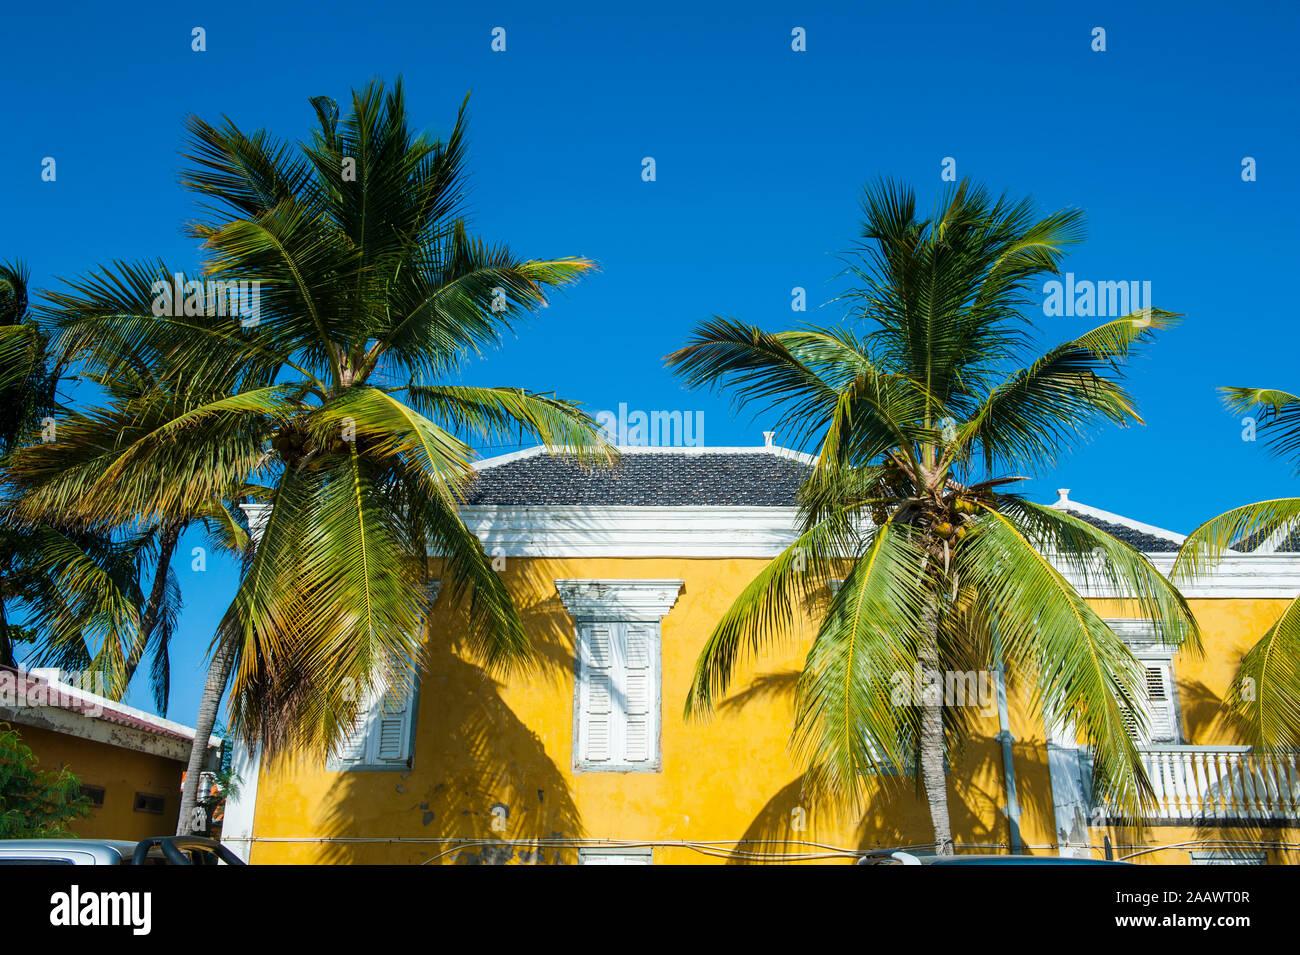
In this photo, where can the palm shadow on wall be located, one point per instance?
(796, 821)
(482, 788)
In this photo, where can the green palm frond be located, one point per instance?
(1266, 691)
(82, 595)
(1244, 527)
(496, 413)
(495, 634)
(846, 721)
(146, 457)
(1105, 564)
(766, 609)
(1084, 675)
(1278, 414)
(1040, 410)
(394, 429)
(18, 354)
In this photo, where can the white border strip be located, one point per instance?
(774, 450)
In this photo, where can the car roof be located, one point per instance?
(89, 851)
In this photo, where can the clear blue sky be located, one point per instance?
(761, 153)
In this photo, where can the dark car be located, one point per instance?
(900, 857)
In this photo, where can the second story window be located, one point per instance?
(617, 671)
(618, 695)
(1157, 704)
(1158, 692)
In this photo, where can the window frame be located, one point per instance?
(632, 855)
(162, 803)
(1140, 637)
(619, 602)
(654, 762)
(369, 713)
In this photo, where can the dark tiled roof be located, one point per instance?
(1289, 545)
(758, 479)
(1147, 543)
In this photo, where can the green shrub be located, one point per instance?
(35, 804)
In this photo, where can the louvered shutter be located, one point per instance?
(392, 723)
(351, 749)
(1157, 705)
(618, 695)
(596, 715)
(1162, 719)
(380, 737)
(638, 691)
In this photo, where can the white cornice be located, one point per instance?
(763, 532)
(1254, 576)
(591, 531)
(258, 515)
(774, 450)
(616, 599)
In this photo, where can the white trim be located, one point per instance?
(237, 823)
(97, 726)
(774, 450)
(581, 530)
(80, 726)
(1227, 857)
(616, 855)
(617, 603)
(1247, 576)
(618, 600)
(258, 515)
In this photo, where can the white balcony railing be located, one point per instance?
(1222, 784)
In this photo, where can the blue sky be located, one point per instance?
(760, 156)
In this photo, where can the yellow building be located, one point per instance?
(620, 577)
(129, 762)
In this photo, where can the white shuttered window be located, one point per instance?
(1158, 705)
(617, 696)
(381, 736)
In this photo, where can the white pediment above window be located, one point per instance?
(622, 600)
(1140, 635)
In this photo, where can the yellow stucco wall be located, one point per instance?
(483, 743)
(121, 773)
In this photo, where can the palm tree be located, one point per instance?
(78, 588)
(73, 460)
(330, 393)
(925, 406)
(1265, 693)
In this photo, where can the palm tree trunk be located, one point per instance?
(931, 741)
(153, 608)
(218, 673)
(6, 645)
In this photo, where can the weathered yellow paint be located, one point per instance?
(121, 773)
(485, 742)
